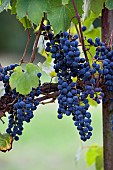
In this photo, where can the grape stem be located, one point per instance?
(2, 121)
(49, 96)
(88, 50)
(36, 41)
(78, 33)
(26, 47)
(51, 101)
(9, 104)
(48, 90)
(76, 28)
(80, 29)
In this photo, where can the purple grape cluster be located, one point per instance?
(73, 97)
(22, 107)
(104, 58)
(5, 74)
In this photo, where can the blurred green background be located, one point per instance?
(46, 143)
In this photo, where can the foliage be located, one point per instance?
(94, 155)
(4, 5)
(24, 81)
(60, 14)
(109, 4)
(60, 11)
(5, 142)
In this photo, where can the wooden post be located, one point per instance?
(107, 28)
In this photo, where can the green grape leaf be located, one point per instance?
(13, 7)
(60, 15)
(32, 68)
(24, 81)
(100, 150)
(91, 155)
(99, 159)
(99, 162)
(86, 9)
(92, 34)
(96, 6)
(33, 9)
(18, 69)
(46, 67)
(36, 10)
(89, 21)
(25, 22)
(21, 8)
(65, 2)
(109, 4)
(4, 5)
(15, 77)
(92, 102)
(79, 5)
(92, 5)
(5, 142)
(95, 155)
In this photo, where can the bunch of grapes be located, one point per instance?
(104, 56)
(70, 65)
(20, 107)
(78, 81)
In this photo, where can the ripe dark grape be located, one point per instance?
(72, 100)
(91, 78)
(84, 28)
(78, 82)
(22, 107)
(22, 112)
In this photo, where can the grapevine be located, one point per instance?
(82, 75)
(73, 97)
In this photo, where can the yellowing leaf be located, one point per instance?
(25, 22)
(74, 79)
(13, 8)
(53, 74)
(5, 142)
(92, 102)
